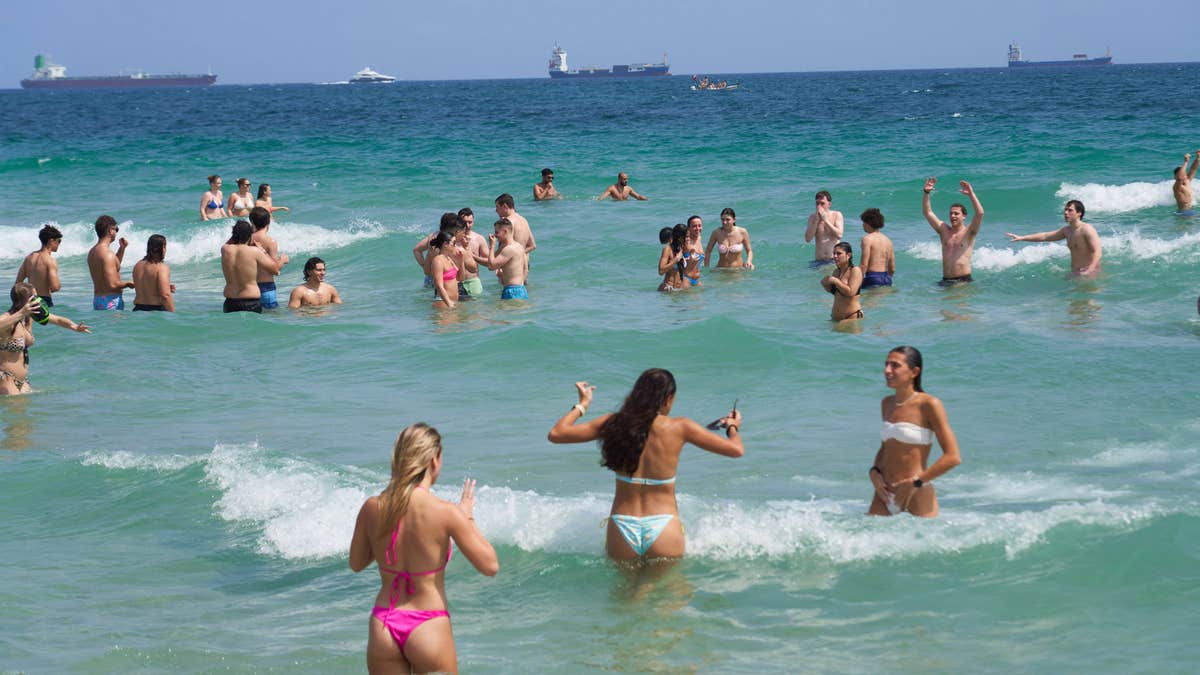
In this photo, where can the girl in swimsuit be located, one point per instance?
(844, 284)
(264, 199)
(730, 241)
(641, 444)
(212, 204)
(241, 201)
(442, 270)
(911, 420)
(16, 336)
(671, 262)
(407, 531)
(695, 248)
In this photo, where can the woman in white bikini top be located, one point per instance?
(911, 421)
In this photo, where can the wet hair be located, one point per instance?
(503, 222)
(507, 200)
(451, 222)
(679, 237)
(259, 217)
(728, 212)
(48, 233)
(103, 223)
(442, 238)
(241, 232)
(913, 358)
(873, 218)
(845, 247)
(156, 247)
(310, 265)
(262, 189)
(465, 211)
(20, 295)
(961, 207)
(213, 178)
(693, 217)
(412, 457)
(665, 234)
(623, 435)
(825, 194)
(547, 172)
(1078, 206)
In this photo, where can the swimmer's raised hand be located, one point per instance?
(34, 304)
(965, 188)
(585, 393)
(929, 184)
(467, 501)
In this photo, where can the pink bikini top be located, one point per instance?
(390, 558)
(732, 248)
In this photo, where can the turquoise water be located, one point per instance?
(180, 491)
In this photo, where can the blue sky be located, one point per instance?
(309, 41)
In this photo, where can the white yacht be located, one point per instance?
(368, 75)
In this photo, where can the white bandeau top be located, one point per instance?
(906, 432)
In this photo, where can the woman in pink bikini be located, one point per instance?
(408, 532)
(731, 241)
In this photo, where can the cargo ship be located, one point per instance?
(47, 75)
(1015, 60)
(559, 70)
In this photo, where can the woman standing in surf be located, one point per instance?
(911, 420)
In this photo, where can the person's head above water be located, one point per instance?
(416, 454)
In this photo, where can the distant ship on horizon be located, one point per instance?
(558, 68)
(47, 75)
(1015, 60)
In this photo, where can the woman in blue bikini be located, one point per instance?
(212, 204)
(641, 444)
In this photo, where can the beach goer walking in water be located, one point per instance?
(1182, 189)
(152, 278)
(16, 336)
(958, 242)
(1082, 240)
(826, 226)
(443, 269)
(314, 292)
(510, 262)
(105, 266)
(268, 294)
(672, 261)
(40, 268)
(844, 284)
(212, 204)
(911, 420)
(731, 241)
(621, 191)
(695, 250)
(878, 255)
(641, 444)
(242, 201)
(241, 263)
(545, 190)
(410, 534)
(264, 199)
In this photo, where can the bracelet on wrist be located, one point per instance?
(730, 428)
(582, 410)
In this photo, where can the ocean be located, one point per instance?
(180, 491)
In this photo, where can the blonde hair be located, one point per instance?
(412, 456)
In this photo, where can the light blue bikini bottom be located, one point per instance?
(640, 532)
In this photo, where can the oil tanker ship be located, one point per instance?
(559, 70)
(47, 75)
(1015, 60)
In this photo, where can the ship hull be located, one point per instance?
(1101, 61)
(653, 71)
(148, 81)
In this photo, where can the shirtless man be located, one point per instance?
(476, 246)
(1082, 240)
(40, 267)
(260, 218)
(878, 256)
(522, 234)
(242, 263)
(154, 290)
(511, 261)
(958, 242)
(620, 191)
(106, 267)
(1183, 186)
(544, 190)
(826, 226)
(314, 292)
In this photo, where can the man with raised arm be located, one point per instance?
(40, 267)
(1183, 186)
(105, 266)
(1082, 240)
(958, 242)
(620, 190)
(511, 261)
(545, 190)
(826, 226)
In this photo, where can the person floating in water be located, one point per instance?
(621, 191)
(958, 242)
(1182, 188)
(1082, 240)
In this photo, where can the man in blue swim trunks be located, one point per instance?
(105, 267)
(878, 261)
(260, 218)
(1183, 186)
(510, 261)
(826, 226)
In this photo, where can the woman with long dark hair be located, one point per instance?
(16, 336)
(911, 420)
(672, 260)
(152, 279)
(731, 241)
(844, 284)
(641, 444)
(408, 532)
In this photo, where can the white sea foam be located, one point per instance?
(1138, 455)
(1099, 198)
(124, 460)
(1120, 245)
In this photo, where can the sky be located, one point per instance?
(269, 41)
